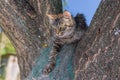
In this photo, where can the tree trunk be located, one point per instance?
(26, 24)
(98, 53)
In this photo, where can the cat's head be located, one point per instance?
(62, 22)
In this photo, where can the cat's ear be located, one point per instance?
(67, 14)
(50, 16)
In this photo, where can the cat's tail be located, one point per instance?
(80, 21)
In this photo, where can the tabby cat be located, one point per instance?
(66, 30)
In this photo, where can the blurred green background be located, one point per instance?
(6, 49)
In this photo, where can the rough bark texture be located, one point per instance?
(26, 24)
(98, 53)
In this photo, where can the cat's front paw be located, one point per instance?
(48, 68)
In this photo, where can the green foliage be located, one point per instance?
(5, 45)
(5, 48)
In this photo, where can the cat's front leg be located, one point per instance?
(57, 45)
(49, 67)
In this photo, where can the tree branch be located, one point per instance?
(97, 55)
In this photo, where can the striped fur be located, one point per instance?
(67, 30)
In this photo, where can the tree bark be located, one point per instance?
(26, 24)
(98, 53)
